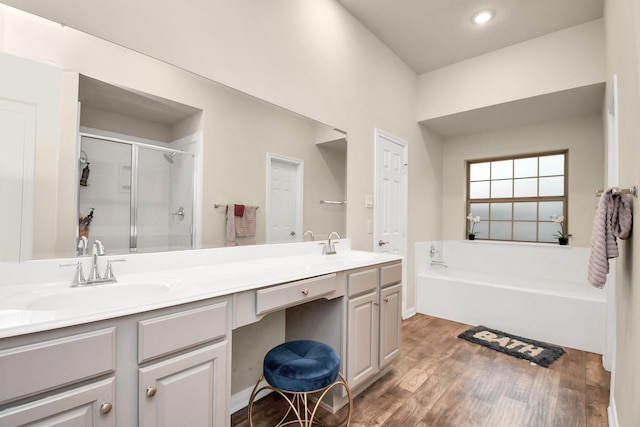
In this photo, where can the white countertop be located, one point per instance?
(152, 281)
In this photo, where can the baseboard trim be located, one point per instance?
(409, 313)
(241, 399)
(612, 412)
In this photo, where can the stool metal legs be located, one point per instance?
(299, 403)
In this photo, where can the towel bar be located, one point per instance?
(633, 191)
(219, 205)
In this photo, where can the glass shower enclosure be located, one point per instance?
(135, 197)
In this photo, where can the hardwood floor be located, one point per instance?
(443, 381)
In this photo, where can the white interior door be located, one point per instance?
(284, 201)
(17, 142)
(390, 208)
(29, 117)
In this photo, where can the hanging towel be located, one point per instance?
(246, 225)
(231, 226)
(613, 219)
(239, 210)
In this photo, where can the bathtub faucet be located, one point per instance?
(442, 263)
(433, 251)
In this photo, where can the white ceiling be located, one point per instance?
(127, 102)
(430, 34)
(553, 106)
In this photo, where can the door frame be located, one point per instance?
(378, 135)
(299, 167)
(609, 356)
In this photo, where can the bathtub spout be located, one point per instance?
(442, 263)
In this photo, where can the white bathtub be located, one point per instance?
(565, 311)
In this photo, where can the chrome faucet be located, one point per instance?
(330, 247)
(442, 263)
(433, 251)
(308, 233)
(96, 251)
(94, 276)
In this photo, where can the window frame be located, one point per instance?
(537, 199)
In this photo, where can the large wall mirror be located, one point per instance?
(204, 140)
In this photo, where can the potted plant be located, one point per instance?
(473, 220)
(563, 238)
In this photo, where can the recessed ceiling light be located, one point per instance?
(483, 17)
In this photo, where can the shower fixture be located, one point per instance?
(83, 157)
(169, 156)
(179, 213)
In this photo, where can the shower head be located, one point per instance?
(169, 156)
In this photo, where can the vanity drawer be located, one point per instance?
(362, 281)
(173, 332)
(390, 274)
(31, 369)
(290, 294)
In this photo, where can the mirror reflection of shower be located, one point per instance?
(134, 190)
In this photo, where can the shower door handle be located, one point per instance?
(180, 213)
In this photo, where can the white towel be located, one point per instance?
(613, 219)
(246, 225)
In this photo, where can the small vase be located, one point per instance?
(473, 237)
(563, 241)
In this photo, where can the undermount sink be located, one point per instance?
(88, 298)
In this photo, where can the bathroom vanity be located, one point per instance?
(155, 348)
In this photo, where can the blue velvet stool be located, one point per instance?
(296, 369)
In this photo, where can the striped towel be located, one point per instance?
(613, 219)
(230, 221)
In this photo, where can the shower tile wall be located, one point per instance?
(108, 192)
(162, 188)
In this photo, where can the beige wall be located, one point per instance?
(622, 20)
(238, 132)
(309, 57)
(558, 61)
(582, 136)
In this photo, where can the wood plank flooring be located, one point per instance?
(443, 381)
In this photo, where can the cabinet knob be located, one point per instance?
(376, 304)
(305, 292)
(151, 391)
(385, 299)
(105, 408)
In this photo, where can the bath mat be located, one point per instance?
(534, 351)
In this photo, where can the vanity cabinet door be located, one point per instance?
(390, 323)
(362, 338)
(87, 406)
(186, 390)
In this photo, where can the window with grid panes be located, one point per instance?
(516, 196)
